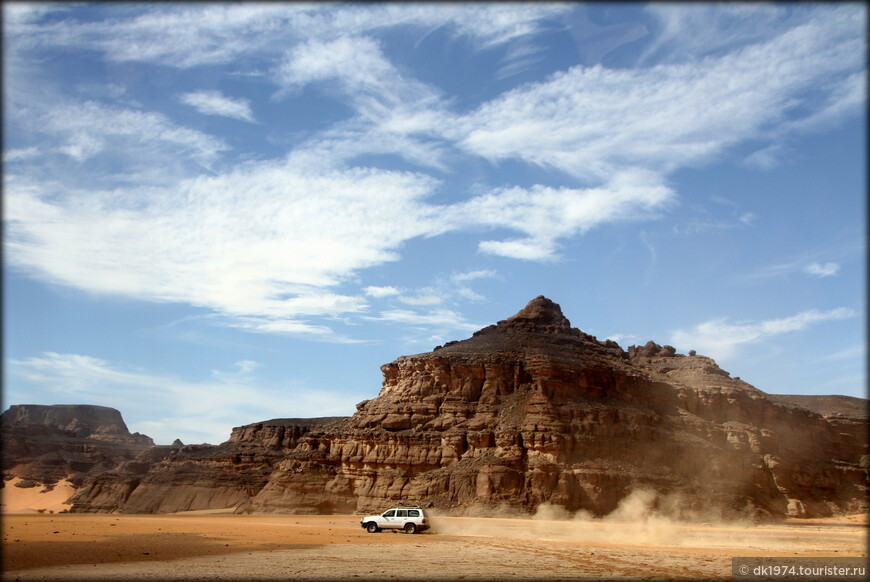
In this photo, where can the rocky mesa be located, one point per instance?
(528, 411)
(43, 445)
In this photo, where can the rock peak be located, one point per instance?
(541, 314)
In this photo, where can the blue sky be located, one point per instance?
(216, 214)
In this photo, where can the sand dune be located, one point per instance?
(34, 499)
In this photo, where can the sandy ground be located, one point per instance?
(222, 546)
(34, 499)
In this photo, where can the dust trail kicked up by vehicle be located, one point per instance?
(642, 518)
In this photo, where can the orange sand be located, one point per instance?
(34, 499)
(222, 546)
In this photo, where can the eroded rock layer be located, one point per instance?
(46, 444)
(525, 412)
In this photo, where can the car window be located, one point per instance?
(401, 513)
(390, 513)
(413, 513)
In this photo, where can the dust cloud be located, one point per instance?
(642, 518)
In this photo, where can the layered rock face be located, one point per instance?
(525, 412)
(195, 477)
(45, 444)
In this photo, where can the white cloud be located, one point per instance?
(265, 241)
(519, 58)
(766, 158)
(378, 292)
(395, 114)
(244, 372)
(15, 155)
(800, 265)
(220, 403)
(496, 24)
(691, 31)
(188, 36)
(246, 366)
(587, 122)
(343, 143)
(359, 63)
(822, 271)
(847, 96)
(462, 283)
(25, 13)
(421, 300)
(439, 318)
(90, 127)
(264, 244)
(127, 145)
(591, 122)
(474, 275)
(720, 339)
(289, 326)
(216, 103)
(443, 290)
(547, 214)
(528, 249)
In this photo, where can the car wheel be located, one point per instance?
(372, 527)
(410, 528)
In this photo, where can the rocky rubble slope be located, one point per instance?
(525, 412)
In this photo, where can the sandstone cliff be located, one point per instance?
(45, 444)
(525, 412)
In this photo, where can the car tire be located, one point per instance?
(411, 528)
(372, 527)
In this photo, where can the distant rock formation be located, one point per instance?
(194, 477)
(525, 412)
(46, 444)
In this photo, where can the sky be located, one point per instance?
(218, 214)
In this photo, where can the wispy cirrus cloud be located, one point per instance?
(216, 103)
(190, 36)
(445, 289)
(89, 128)
(720, 339)
(692, 31)
(21, 154)
(447, 319)
(822, 271)
(395, 114)
(421, 299)
(264, 244)
(23, 13)
(122, 144)
(266, 241)
(546, 215)
(381, 291)
(592, 122)
(801, 265)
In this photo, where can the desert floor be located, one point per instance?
(222, 546)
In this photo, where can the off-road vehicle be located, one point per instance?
(409, 518)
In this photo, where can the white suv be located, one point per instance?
(409, 518)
